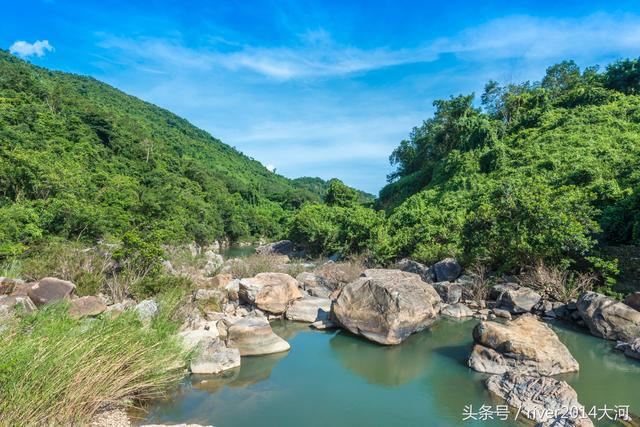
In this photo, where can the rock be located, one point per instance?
(220, 281)
(608, 318)
(631, 349)
(214, 357)
(457, 310)
(386, 306)
(254, 336)
(146, 310)
(496, 291)
(502, 313)
(309, 309)
(447, 270)
(210, 294)
(9, 304)
(525, 345)
(270, 291)
(338, 274)
(86, 307)
(633, 300)
(426, 273)
(7, 285)
(205, 333)
(314, 284)
(323, 324)
(547, 401)
(518, 299)
(282, 247)
(50, 289)
(214, 263)
(450, 293)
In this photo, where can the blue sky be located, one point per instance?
(315, 88)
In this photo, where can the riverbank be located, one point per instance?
(225, 319)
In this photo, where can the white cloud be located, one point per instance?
(25, 49)
(319, 55)
(270, 167)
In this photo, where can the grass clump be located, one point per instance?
(55, 370)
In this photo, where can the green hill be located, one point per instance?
(82, 160)
(541, 171)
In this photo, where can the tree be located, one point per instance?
(339, 194)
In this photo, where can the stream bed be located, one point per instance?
(333, 378)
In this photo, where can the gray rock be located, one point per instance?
(386, 306)
(282, 247)
(10, 304)
(50, 289)
(608, 318)
(502, 313)
(314, 284)
(447, 270)
(450, 293)
(426, 273)
(547, 401)
(254, 336)
(309, 309)
(323, 324)
(146, 310)
(525, 345)
(630, 349)
(518, 300)
(214, 357)
(457, 311)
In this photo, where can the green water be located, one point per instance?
(235, 251)
(335, 379)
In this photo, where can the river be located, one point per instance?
(336, 379)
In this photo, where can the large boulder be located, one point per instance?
(547, 401)
(309, 309)
(282, 247)
(608, 318)
(518, 299)
(450, 293)
(386, 306)
(525, 345)
(314, 284)
(220, 281)
(426, 273)
(447, 270)
(86, 307)
(633, 300)
(254, 336)
(270, 292)
(50, 289)
(214, 357)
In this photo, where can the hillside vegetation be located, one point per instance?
(82, 160)
(540, 172)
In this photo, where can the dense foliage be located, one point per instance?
(82, 160)
(546, 171)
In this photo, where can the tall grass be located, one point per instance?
(55, 370)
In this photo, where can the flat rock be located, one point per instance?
(450, 293)
(386, 306)
(214, 357)
(525, 345)
(86, 307)
(219, 281)
(254, 336)
(608, 318)
(546, 400)
(447, 270)
(323, 324)
(50, 289)
(192, 338)
(502, 313)
(270, 292)
(457, 311)
(518, 299)
(309, 309)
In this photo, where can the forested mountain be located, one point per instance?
(80, 159)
